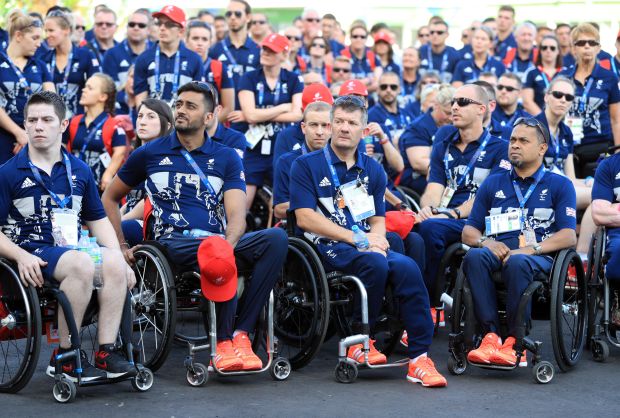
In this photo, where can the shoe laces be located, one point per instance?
(426, 365)
(224, 348)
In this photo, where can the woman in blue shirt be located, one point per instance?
(384, 51)
(468, 71)
(20, 75)
(537, 79)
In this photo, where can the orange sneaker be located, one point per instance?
(481, 355)
(243, 347)
(404, 340)
(423, 371)
(506, 355)
(442, 320)
(226, 359)
(356, 352)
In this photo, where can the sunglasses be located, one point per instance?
(463, 101)
(341, 70)
(423, 35)
(80, 27)
(319, 45)
(137, 24)
(559, 95)
(533, 123)
(258, 22)
(238, 14)
(427, 82)
(350, 100)
(584, 42)
(509, 89)
(392, 87)
(437, 32)
(169, 24)
(359, 36)
(312, 19)
(551, 48)
(293, 38)
(106, 24)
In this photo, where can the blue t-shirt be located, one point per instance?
(4, 39)
(562, 146)
(467, 71)
(391, 67)
(466, 52)
(592, 102)
(443, 63)
(336, 47)
(407, 90)
(502, 47)
(282, 176)
(538, 80)
(314, 187)
(504, 121)
(607, 180)
(26, 205)
(83, 65)
(521, 67)
(550, 208)
(190, 69)
(288, 139)
(14, 92)
(116, 63)
(230, 138)
(494, 158)
(419, 133)
(180, 200)
(265, 97)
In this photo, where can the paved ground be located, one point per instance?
(589, 390)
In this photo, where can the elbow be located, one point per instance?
(280, 210)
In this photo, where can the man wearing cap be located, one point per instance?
(436, 55)
(292, 137)
(163, 68)
(519, 219)
(195, 183)
(339, 188)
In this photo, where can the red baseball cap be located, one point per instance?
(316, 93)
(383, 36)
(400, 222)
(218, 271)
(353, 87)
(276, 42)
(174, 13)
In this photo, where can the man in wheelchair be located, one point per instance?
(45, 195)
(527, 214)
(336, 188)
(195, 183)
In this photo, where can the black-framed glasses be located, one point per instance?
(584, 42)
(341, 70)
(392, 87)
(80, 27)
(533, 123)
(551, 48)
(238, 13)
(137, 24)
(464, 101)
(359, 36)
(509, 89)
(437, 32)
(293, 38)
(350, 100)
(318, 45)
(106, 24)
(258, 22)
(558, 95)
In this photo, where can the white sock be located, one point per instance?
(413, 361)
(238, 332)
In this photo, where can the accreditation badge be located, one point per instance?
(360, 204)
(502, 222)
(446, 197)
(65, 227)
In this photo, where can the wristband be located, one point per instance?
(384, 140)
(125, 243)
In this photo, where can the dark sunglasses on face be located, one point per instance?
(258, 22)
(384, 87)
(138, 24)
(80, 27)
(428, 82)
(169, 24)
(106, 24)
(293, 38)
(463, 101)
(423, 35)
(559, 95)
(319, 45)
(509, 89)
(341, 70)
(584, 42)
(237, 13)
(551, 48)
(359, 36)
(312, 19)
(437, 32)
(533, 123)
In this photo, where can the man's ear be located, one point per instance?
(63, 125)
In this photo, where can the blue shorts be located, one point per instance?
(50, 254)
(258, 168)
(133, 232)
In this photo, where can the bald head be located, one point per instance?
(475, 92)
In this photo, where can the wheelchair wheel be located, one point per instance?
(259, 216)
(447, 272)
(301, 309)
(462, 318)
(413, 198)
(569, 310)
(153, 303)
(192, 310)
(595, 279)
(20, 331)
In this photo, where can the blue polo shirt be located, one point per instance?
(362, 67)
(88, 143)
(538, 80)
(521, 67)
(560, 146)
(282, 176)
(312, 181)
(493, 159)
(288, 139)
(550, 208)
(83, 65)
(240, 60)
(99, 52)
(25, 205)
(393, 124)
(502, 47)
(180, 200)
(407, 89)
(467, 71)
(287, 86)
(190, 69)
(466, 52)
(444, 63)
(336, 47)
(420, 133)
(592, 104)
(391, 67)
(230, 138)
(505, 121)
(607, 180)
(4, 39)
(116, 63)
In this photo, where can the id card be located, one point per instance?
(359, 203)
(105, 159)
(265, 147)
(448, 192)
(530, 236)
(254, 135)
(65, 227)
(575, 123)
(502, 222)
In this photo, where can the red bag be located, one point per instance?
(399, 221)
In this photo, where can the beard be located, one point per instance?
(188, 128)
(516, 163)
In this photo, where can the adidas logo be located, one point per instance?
(618, 176)
(296, 146)
(468, 70)
(27, 183)
(165, 161)
(325, 182)
(500, 195)
(124, 63)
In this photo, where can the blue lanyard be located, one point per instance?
(545, 78)
(62, 90)
(584, 96)
(556, 143)
(304, 150)
(261, 93)
(523, 199)
(95, 45)
(613, 66)
(460, 180)
(23, 82)
(62, 203)
(92, 134)
(444, 60)
(175, 83)
(207, 68)
(201, 174)
(228, 54)
(332, 169)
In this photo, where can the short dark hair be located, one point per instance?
(248, 8)
(487, 20)
(378, 27)
(329, 16)
(166, 119)
(562, 25)
(507, 8)
(204, 12)
(202, 88)
(219, 17)
(50, 98)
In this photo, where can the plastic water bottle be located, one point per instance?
(197, 233)
(360, 239)
(84, 242)
(95, 254)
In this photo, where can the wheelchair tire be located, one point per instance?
(260, 212)
(413, 198)
(20, 331)
(569, 310)
(154, 306)
(301, 311)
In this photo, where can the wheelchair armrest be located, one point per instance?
(291, 222)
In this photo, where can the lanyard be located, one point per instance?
(304, 150)
(175, 82)
(545, 77)
(95, 45)
(614, 67)
(336, 181)
(228, 54)
(92, 134)
(444, 60)
(201, 174)
(459, 181)
(584, 96)
(523, 199)
(23, 82)
(62, 203)
(556, 143)
(207, 69)
(261, 93)
(62, 90)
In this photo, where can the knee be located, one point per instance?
(80, 267)
(431, 231)
(374, 269)
(473, 256)
(114, 269)
(277, 241)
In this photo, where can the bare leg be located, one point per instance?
(112, 295)
(585, 234)
(584, 196)
(75, 272)
(250, 192)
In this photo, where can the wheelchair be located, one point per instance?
(27, 313)
(260, 215)
(413, 198)
(603, 325)
(563, 298)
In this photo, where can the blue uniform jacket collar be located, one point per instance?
(529, 179)
(22, 158)
(247, 44)
(359, 160)
(205, 148)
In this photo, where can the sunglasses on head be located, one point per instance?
(106, 24)
(437, 32)
(463, 101)
(359, 36)
(293, 38)
(533, 123)
(138, 24)
(551, 48)
(509, 89)
(258, 22)
(238, 13)
(350, 100)
(392, 87)
(559, 95)
(341, 70)
(584, 42)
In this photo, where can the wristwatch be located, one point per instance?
(458, 213)
(481, 240)
(537, 249)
